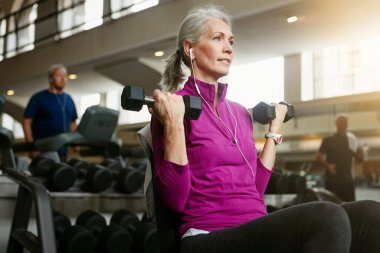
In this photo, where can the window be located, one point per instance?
(121, 8)
(9, 123)
(87, 101)
(78, 15)
(3, 26)
(26, 28)
(344, 70)
(257, 81)
(11, 37)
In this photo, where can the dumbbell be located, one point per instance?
(285, 184)
(145, 238)
(264, 113)
(71, 239)
(59, 176)
(110, 239)
(127, 179)
(133, 98)
(95, 178)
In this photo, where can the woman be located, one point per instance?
(208, 170)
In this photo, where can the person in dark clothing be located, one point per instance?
(50, 112)
(335, 155)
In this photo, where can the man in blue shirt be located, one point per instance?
(51, 111)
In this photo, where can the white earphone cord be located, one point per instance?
(234, 135)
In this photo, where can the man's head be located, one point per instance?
(57, 77)
(341, 122)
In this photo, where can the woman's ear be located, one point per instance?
(186, 47)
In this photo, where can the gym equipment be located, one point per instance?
(72, 239)
(140, 166)
(2, 101)
(167, 221)
(31, 193)
(126, 219)
(133, 98)
(59, 176)
(264, 113)
(314, 194)
(128, 179)
(110, 239)
(145, 239)
(95, 178)
(95, 129)
(282, 183)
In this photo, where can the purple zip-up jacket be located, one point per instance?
(216, 189)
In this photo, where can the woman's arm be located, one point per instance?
(268, 154)
(172, 173)
(169, 109)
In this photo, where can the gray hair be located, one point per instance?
(54, 67)
(191, 30)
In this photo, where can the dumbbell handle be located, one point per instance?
(149, 101)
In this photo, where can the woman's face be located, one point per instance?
(213, 52)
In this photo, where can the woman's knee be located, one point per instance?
(331, 213)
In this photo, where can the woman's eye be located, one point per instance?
(231, 42)
(217, 38)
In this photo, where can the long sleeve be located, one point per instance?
(262, 177)
(172, 180)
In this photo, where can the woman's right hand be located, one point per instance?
(168, 108)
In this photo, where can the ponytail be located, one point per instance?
(173, 75)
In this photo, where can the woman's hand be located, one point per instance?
(168, 108)
(276, 124)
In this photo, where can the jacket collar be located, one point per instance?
(207, 90)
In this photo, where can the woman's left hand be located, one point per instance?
(276, 124)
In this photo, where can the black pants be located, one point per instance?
(309, 228)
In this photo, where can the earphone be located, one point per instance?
(192, 57)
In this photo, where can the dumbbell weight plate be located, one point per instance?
(263, 113)
(129, 180)
(98, 178)
(132, 98)
(114, 239)
(40, 165)
(290, 113)
(126, 219)
(77, 239)
(61, 177)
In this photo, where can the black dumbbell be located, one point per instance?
(133, 98)
(59, 176)
(145, 238)
(95, 178)
(110, 239)
(71, 239)
(264, 113)
(140, 165)
(127, 179)
(285, 184)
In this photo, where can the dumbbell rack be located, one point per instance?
(31, 190)
(31, 193)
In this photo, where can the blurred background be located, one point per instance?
(322, 56)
